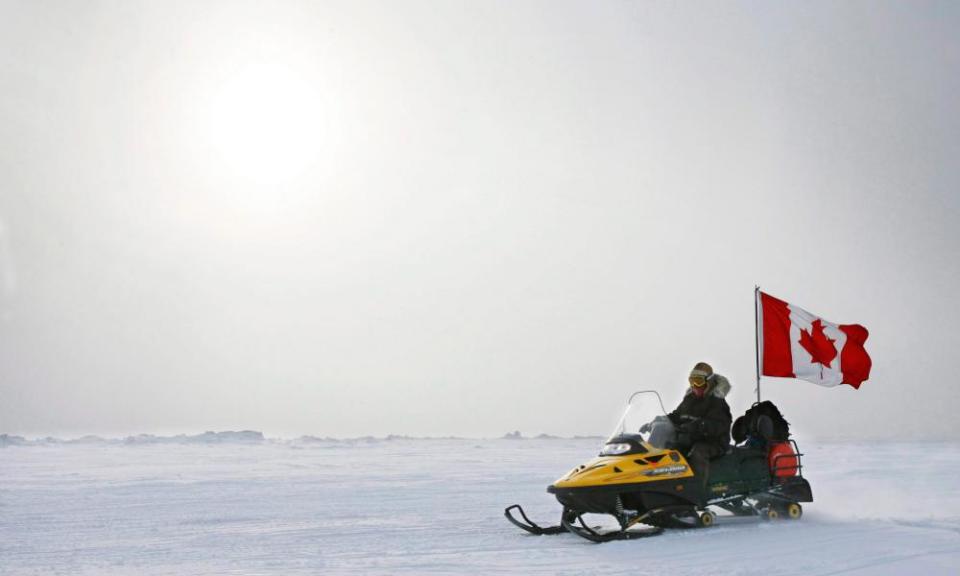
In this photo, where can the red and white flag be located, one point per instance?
(797, 344)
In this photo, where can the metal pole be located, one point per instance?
(756, 333)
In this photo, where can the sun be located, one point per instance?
(257, 138)
(263, 124)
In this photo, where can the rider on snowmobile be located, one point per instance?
(703, 419)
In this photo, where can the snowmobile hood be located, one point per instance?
(653, 465)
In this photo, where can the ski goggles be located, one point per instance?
(698, 380)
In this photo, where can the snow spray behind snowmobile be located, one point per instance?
(647, 485)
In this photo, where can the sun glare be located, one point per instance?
(255, 135)
(262, 124)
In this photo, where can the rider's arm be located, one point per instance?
(717, 421)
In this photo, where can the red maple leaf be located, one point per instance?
(817, 343)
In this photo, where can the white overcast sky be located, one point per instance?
(468, 217)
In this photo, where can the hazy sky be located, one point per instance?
(346, 218)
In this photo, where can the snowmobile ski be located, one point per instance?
(531, 526)
(593, 535)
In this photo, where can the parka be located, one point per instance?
(713, 414)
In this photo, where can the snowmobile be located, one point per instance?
(647, 485)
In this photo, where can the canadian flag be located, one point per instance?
(797, 344)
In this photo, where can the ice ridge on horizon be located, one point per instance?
(251, 437)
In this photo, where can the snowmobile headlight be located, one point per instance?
(614, 449)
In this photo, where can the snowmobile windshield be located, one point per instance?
(644, 416)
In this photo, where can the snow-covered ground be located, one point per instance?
(245, 506)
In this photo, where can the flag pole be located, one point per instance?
(756, 333)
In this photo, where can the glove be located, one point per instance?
(646, 428)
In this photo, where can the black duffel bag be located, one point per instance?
(762, 421)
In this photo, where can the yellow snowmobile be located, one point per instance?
(647, 485)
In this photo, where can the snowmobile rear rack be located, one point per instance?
(797, 466)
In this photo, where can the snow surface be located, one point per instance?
(244, 505)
